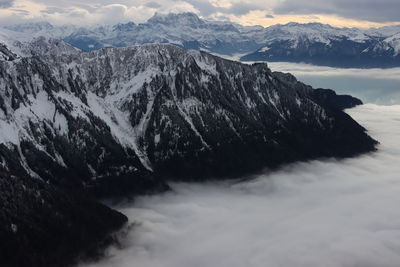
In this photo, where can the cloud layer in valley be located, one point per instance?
(380, 86)
(320, 213)
(364, 13)
(308, 69)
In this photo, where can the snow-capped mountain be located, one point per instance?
(185, 29)
(325, 45)
(393, 42)
(35, 29)
(314, 32)
(313, 42)
(119, 116)
(22, 44)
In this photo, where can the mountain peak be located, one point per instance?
(186, 18)
(124, 26)
(31, 27)
(314, 25)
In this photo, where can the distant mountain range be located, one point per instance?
(314, 43)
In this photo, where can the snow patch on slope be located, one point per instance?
(119, 124)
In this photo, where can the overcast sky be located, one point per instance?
(359, 13)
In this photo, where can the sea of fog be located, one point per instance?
(331, 213)
(379, 86)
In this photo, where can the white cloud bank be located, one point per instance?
(380, 86)
(303, 69)
(321, 213)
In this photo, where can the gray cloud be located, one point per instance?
(372, 10)
(152, 5)
(205, 7)
(237, 8)
(242, 8)
(6, 3)
(320, 213)
(53, 10)
(20, 12)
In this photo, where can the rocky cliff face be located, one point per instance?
(133, 114)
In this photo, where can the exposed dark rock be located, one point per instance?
(330, 98)
(6, 54)
(324, 97)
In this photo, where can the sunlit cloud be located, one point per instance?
(365, 13)
(264, 18)
(88, 12)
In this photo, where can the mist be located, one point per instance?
(379, 86)
(331, 213)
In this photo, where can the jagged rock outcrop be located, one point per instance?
(6, 54)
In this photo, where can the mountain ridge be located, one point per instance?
(314, 43)
(150, 104)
